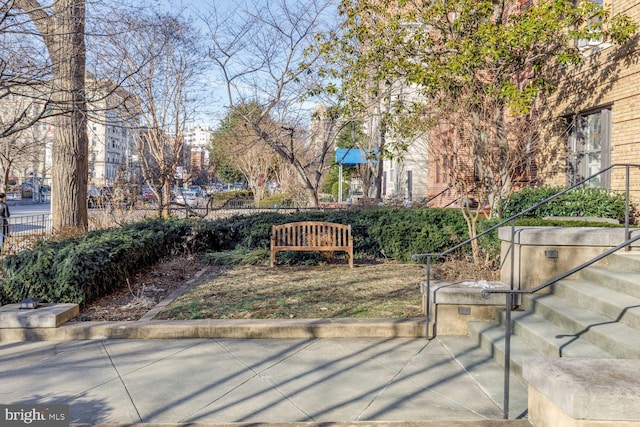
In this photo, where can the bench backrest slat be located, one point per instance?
(311, 233)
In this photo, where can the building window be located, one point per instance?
(591, 45)
(589, 148)
(443, 169)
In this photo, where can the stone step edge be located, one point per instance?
(214, 328)
(551, 340)
(491, 338)
(609, 334)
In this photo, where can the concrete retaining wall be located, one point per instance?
(542, 253)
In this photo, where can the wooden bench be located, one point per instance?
(311, 236)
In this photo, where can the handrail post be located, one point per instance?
(427, 309)
(513, 255)
(507, 326)
(627, 233)
(507, 354)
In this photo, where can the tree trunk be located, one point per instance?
(63, 35)
(166, 196)
(70, 148)
(312, 194)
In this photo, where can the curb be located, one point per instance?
(215, 328)
(148, 328)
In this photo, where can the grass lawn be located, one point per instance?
(372, 290)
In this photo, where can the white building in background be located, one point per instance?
(196, 143)
(111, 146)
(111, 130)
(27, 152)
(199, 136)
(110, 136)
(405, 179)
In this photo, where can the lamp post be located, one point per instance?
(340, 182)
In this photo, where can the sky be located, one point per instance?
(212, 85)
(214, 111)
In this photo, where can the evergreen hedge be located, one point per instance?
(579, 202)
(79, 270)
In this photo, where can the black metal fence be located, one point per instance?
(26, 230)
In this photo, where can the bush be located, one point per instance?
(378, 232)
(79, 270)
(238, 256)
(278, 200)
(582, 202)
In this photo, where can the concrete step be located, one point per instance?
(490, 337)
(590, 296)
(624, 282)
(551, 340)
(624, 261)
(609, 334)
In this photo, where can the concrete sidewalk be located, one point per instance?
(320, 381)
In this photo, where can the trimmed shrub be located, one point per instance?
(79, 270)
(582, 201)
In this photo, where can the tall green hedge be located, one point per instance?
(80, 270)
(394, 233)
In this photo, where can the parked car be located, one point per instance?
(189, 198)
(148, 195)
(197, 189)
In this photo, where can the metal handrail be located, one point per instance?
(511, 292)
(486, 293)
(440, 194)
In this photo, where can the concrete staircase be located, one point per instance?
(594, 316)
(575, 350)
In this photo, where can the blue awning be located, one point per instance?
(350, 156)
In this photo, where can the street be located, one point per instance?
(28, 209)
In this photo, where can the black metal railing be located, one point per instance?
(449, 187)
(26, 230)
(511, 291)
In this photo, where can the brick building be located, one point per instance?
(595, 117)
(593, 121)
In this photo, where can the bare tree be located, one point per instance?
(25, 72)
(240, 147)
(159, 64)
(22, 150)
(263, 57)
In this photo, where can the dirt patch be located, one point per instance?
(142, 292)
(373, 289)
